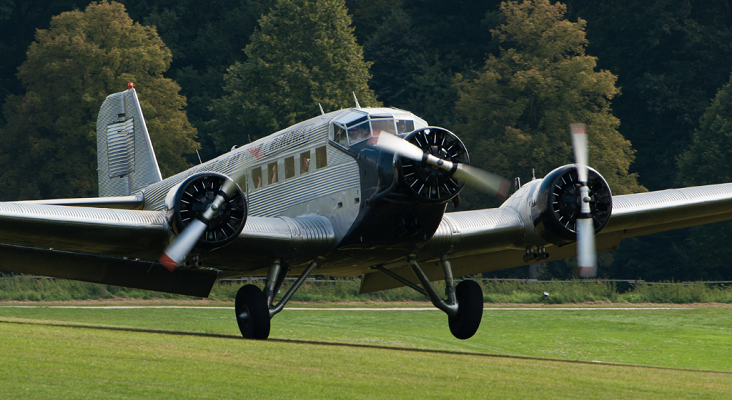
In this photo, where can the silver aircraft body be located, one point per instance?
(320, 197)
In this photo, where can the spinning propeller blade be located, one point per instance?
(177, 251)
(586, 257)
(485, 181)
(396, 145)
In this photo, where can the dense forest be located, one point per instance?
(651, 79)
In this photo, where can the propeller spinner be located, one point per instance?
(586, 257)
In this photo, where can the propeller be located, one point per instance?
(178, 250)
(586, 257)
(485, 181)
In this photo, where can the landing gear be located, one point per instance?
(252, 313)
(470, 310)
(254, 308)
(464, 303)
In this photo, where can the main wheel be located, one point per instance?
(252, 313)
(470, 310)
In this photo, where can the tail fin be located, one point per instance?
(125, 157)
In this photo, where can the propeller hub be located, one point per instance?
(560, 204)
(433, 181)
(192, 201)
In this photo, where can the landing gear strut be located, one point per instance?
(254, 308)
(464, 303)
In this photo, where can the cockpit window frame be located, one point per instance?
(403, 122)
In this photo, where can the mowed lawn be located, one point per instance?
(197, 353)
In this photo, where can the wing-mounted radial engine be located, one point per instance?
(559, 204)
(428, 182)
(207, 210)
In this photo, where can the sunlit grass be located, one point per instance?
(682, 338)
(40, 361)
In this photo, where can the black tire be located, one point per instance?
(470, 310)
(251, 302)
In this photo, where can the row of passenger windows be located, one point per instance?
(270, 174)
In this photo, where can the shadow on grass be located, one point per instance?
(338, 344)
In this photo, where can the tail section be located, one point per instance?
(125, 156)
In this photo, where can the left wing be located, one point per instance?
(117, 247)
(489, 240)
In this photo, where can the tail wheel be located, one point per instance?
(252, 313)
(470, 310)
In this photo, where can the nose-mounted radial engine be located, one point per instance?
(429, 167)
(428, 182)
(433, 165)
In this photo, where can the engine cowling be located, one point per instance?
(558, 204)
(188, 200)
(427, 183)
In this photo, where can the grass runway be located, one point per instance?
(198, 354)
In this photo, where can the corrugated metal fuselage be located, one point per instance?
(300, 171)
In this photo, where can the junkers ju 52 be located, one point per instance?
(356, 192)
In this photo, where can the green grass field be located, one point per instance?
(197, 353)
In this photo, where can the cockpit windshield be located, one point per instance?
(357, 126)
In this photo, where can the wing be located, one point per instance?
(117, 247)
(489, 240)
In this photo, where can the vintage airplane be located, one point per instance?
(360, 191)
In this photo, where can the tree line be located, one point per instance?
(650, 79)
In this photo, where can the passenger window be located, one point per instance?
(257, 177)
(321, 157)
(404, 126)
(339, 135)
(289, 167)
(304, 162)
(272, 172)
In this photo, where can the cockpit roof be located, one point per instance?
(351, 115)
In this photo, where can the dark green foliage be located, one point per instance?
(49, 143)
(205, 40)
(19, 20)
(521, 104)
(670, 57)
(407, 74)
(706, 161)
(305, 54)
(413, 46)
